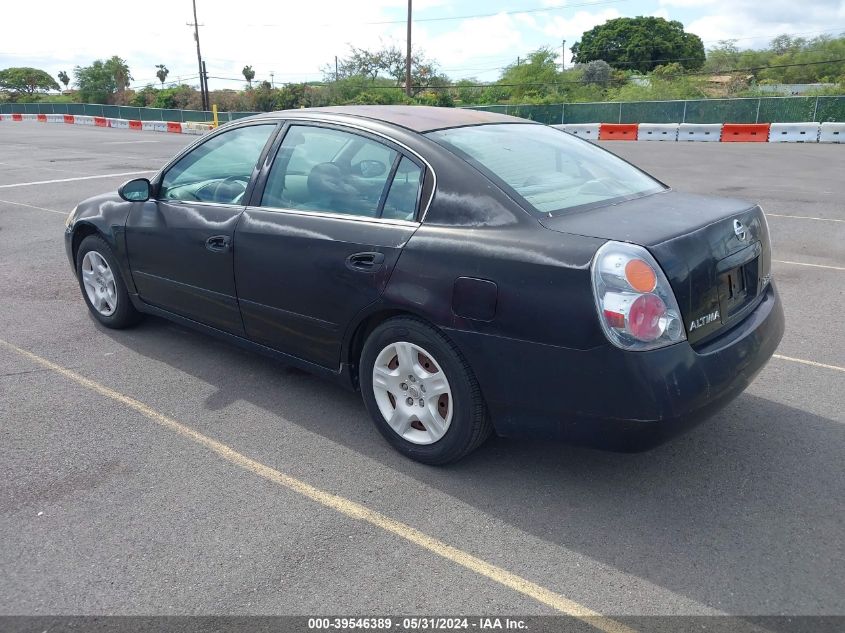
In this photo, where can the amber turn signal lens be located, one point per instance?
(640, 275)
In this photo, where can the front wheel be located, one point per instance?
(102, 286)
(420, 392)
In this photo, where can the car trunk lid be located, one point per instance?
(715, 252)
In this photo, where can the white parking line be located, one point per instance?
(32, 206)
(783, 261)
(812, 363)
(49, 182)
(802, 217)
(127, 142)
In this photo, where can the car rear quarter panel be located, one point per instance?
(473, 229)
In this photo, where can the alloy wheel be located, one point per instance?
(98, 279)
(412, 393)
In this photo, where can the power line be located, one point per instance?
(468, 17)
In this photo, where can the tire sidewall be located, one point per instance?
(125, 314)
(459, 434)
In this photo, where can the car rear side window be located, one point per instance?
(329, 170)
(401, 202)
(218, 170)
(547, 168)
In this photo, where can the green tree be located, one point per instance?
(162, 73)
(640, 43)
(26, 81)
(63, 77)
(533, 78)
(386, 62)
(723, 57)
(597, 72)
(249, 74)
(103, 81)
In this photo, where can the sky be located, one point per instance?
(293, 40)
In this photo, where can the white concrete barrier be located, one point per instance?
(710, 132)
(657, 132)
(190, 127)
(794, 132)
(832, 133)
(584, 130)
(195, 128)
(154, 126)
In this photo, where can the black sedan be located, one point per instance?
(466, 271)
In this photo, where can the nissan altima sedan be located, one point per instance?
(468, 272)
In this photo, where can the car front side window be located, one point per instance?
(218, 170)
(328, 170)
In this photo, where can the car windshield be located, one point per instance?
(549, 169)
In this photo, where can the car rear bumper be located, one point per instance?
(610, 398)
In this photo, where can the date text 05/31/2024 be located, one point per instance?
(416, 623)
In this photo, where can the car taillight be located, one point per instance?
(636, 306)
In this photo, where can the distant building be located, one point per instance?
(792, 89)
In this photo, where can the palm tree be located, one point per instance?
(120, 72)
(63, 77)
(249, 74)
(162, 73)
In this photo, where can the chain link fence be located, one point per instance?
(120, 112)
(749, 110)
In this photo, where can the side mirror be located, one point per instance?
(137, 190)
(370, 168)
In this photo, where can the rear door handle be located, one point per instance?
(218, 243)
(365, 262)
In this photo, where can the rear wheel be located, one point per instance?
(102, 286)
(420, 392)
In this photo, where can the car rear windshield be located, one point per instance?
(550, 170)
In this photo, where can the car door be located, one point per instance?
(323, 234)
(180, 244)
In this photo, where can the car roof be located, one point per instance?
(415, 118)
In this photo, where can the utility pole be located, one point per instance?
(408, 57)
(517, 60)
(203, 89)
(563, 56)
(335, 68)
(272, 81)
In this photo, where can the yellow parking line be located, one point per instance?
(812, 363)
(345, 506)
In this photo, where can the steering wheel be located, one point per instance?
(222, 183)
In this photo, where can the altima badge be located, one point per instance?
(702, 321)
(740, 230)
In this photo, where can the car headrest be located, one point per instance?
(326, 179)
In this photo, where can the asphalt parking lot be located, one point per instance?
(105, 509)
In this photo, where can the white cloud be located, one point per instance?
(686, 4)
(751, 26)
(473, 38)
(571, 29)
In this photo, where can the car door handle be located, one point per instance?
(365, 262)
(218, 243)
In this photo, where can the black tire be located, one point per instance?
(470, 424)
(124, 315)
